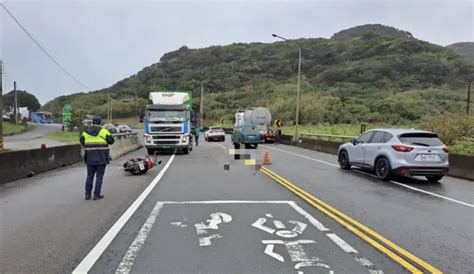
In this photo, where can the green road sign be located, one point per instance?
(67, 115)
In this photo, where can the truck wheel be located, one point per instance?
(247, 146)
(236, 146)
(150, 151)
(185, 150)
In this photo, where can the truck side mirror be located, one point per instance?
(354, 141)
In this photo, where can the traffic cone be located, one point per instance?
(266, 158)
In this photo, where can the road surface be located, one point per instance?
(196, 214)
(33, 138)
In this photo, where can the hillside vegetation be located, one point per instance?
(370, 73)
(465, 49)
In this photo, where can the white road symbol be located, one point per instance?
(213, 223)
(294, 247)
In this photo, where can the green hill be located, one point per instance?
(465, 49)
(370, 73)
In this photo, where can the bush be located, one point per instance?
(451, 128)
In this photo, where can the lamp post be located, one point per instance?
(297, 118)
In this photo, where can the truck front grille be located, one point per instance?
(162, 129)
(165, 137)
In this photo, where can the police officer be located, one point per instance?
(96, 141)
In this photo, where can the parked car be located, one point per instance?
(405, 152)
(246, 134)
(215, 134)
(124, 129)
(111, 128)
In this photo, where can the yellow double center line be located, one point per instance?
(373, 238)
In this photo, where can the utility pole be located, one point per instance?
(16, 103)
(468, 97)
(201, 108)
(297, 116)
(136, 107)
(1, 105)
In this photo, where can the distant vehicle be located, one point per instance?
(111, 128)
(215, 134)
(247, 135)
(259, 116)
(124, 129)
(168, 121)
(88, 120)
(405, 152)
(42, 117)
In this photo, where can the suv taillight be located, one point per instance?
(445, 149)
(402, 148)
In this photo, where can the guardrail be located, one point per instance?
(327, 136)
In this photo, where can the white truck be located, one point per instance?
(259, 116)
(168, 121)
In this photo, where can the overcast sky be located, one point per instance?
(102, 42)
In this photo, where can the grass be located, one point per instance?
(11, 129)
(69, 137)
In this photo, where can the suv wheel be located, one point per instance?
(382, 168)
(344, 160)
(434, 178)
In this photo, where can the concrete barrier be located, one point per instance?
(461, 166)
(124, 143)
(23, 163)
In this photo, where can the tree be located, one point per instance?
(24, 98)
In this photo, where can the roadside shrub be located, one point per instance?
(451, 128)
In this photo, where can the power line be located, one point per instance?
(42, 49)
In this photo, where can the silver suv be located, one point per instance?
(406, 152)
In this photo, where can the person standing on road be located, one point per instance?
(277, 136)
(96, 141)
(196, 132)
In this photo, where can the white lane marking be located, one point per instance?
(279, 224)
(86, 264)
(393, 182)
(225, 202)
(364, 262)
(420, 190)
(341, 243)
(129, 258)
(302, 156)
(269, 251)
(310, 218)
(259, 224)
(178, 224)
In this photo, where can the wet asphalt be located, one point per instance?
(46, 226)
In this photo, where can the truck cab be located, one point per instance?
(168, 122)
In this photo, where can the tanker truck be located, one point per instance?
(259, 116)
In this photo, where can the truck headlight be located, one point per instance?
(147, 139)
(184, 138)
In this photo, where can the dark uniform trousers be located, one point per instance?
(98, 172)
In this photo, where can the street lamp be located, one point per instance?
(295, 137)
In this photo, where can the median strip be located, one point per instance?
(373, 238)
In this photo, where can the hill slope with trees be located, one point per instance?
(370, 73)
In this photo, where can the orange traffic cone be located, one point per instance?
(266, 158)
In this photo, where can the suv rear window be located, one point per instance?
(421, 139)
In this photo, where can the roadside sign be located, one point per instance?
(362, 128)
(278, 123)
(67, 115)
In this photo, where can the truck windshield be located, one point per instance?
(167, 115)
